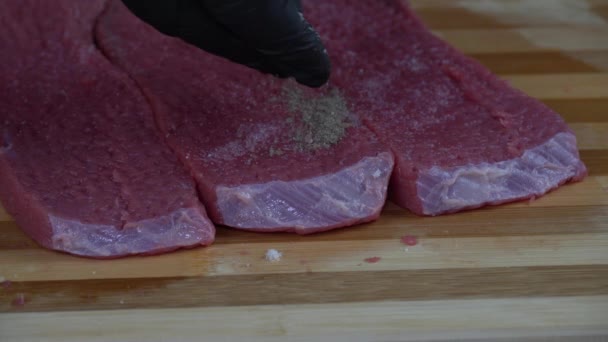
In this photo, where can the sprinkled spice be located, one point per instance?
(320, 122)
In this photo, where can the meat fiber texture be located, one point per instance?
(82, 167)
(462, 138)
(267, 154)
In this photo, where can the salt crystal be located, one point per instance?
(273, 255)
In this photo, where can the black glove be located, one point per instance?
(268, 35)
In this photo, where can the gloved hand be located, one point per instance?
(269, 35)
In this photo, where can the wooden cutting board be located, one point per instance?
(525, 270)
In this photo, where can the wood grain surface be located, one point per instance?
(531, 271)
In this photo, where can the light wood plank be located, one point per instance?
(331, 256)
(603, 181)
(498, 41)
(365, 321)
(431, 253)
(556, 13)
(562, 86)
(459, 4)
(478, 14)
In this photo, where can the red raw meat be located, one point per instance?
(82, 167)
(260, 163)
(462, 138)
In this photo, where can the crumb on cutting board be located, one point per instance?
(372, 260)
(409, 240)
(273, 255)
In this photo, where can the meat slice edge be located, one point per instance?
(83, 169)
(355, 194)
(539, 170)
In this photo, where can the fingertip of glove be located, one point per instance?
(315, 75)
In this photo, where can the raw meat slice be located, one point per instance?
(82, 167)
(462, 138)
(267, 154)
